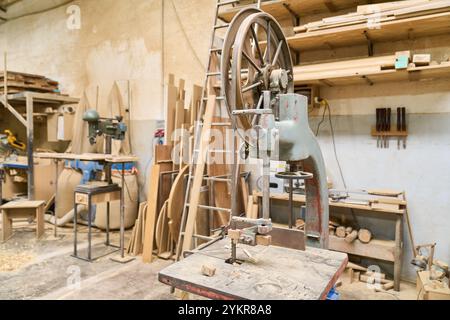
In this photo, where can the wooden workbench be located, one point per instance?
(279, 274)
(386, 250)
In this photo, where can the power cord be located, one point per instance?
(326, 105)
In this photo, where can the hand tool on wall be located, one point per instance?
(399, 126)
(378, 127)
(388, 125)
(404, 126)
(383, 126)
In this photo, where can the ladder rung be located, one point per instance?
(217, 98)
(198, 236)
(222, 26)
(216, 179)
(213, 74)
(225, 3)
(210, 208)
(214, 151)
(218, 124)
(216, 50)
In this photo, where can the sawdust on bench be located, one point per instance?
(13, 262)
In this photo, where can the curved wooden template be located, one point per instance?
(176, 203)
(159, 230)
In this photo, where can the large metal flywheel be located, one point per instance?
(255, 58)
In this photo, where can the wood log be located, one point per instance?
(348, 230)
(355, 266)
(364, 235)
(334, 223)
(351, 237)
(341, 232)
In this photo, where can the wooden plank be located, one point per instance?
(176, 203)
(410, 28)
(171, 106)
(301, 199)
(278, 8)
(197, 94)
(150, 223)
(377, 249)
(199, 171)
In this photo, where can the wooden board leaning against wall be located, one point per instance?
(158, 225)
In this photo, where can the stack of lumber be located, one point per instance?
(18, 82)
(340, 69)
(369, 70)
(280, 8)
(161, 216)
(378, 13)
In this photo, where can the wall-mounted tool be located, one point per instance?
(383, 129)
(404, 126)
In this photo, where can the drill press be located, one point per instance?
(110, 128)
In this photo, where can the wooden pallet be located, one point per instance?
(18, 82)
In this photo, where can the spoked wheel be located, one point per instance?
(259, 62)
(227, 52)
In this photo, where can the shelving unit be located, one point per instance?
(411, 28)
(281, 9)
(386, 250)
(32, 101)
(363, 76)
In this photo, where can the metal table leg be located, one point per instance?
(121, 258)
(75, 229)
(89, 228)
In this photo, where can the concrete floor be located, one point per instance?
(45, 270)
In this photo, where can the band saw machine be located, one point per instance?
(272, 122)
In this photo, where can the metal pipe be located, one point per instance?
(30, 135)
(122, 214)
(55, 226)
(291, 201)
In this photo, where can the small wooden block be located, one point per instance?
(234, 234)
(208, 271)
(263, 240)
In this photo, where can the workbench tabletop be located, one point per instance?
(23, 204)
(87, 157)
(278, 274)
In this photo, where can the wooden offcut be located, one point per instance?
(150, 223)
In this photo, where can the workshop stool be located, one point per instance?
(20, 210)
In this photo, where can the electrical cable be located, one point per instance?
(327, 108)
(39, 11)
(186, 36)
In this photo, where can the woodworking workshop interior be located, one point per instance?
(224, 149)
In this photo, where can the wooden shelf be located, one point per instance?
(302, 199)
(392, 133)
(376, 249)
(42, 98)
(410, 28)
(425, 73)
(279, 8)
